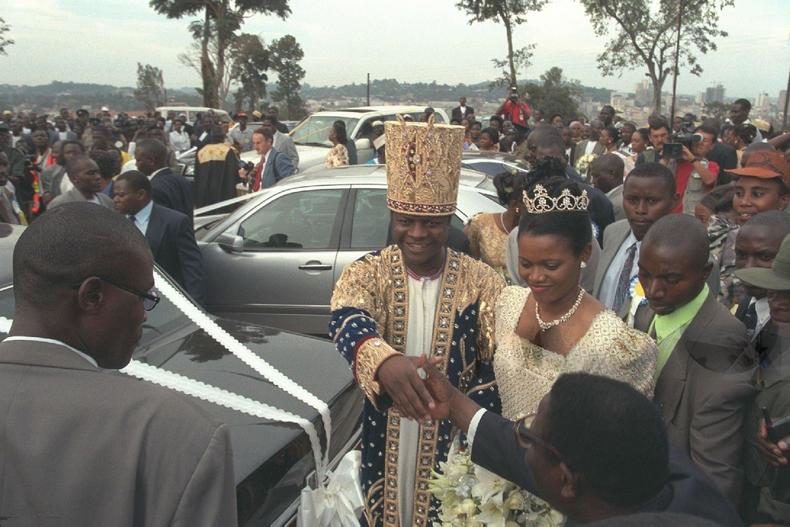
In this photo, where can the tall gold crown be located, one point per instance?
(423, 167)
(541, 202)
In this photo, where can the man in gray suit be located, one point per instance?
(282, 142)
(81, 444)
(591, 145)
(648, 195)
(704, 367)
(84, 174)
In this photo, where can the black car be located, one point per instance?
(272, 461)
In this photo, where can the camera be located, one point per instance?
(247, 166)
(674, 150)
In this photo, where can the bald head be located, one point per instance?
(69, 243)
(684, 233)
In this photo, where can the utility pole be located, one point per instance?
(677, 65)
(787, 98)
(368, 89)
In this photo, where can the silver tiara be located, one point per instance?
(541, 202)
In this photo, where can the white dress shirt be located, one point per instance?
(57, 343)
(142, 217)
(609, 284)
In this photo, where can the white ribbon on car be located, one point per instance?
(339, 492)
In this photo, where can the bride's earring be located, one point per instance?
(583, 264)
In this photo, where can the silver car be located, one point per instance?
(275, 259)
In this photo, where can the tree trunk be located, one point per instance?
(509, 32)
(206, 67)
(658, 83)
(222, 44)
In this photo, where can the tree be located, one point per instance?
(250, 62)
(644, 35)
(193, 58)
(510, 13)
(285, 56)
(554, 95)
(4, 28)
(221, 19)
(717, 110)
(150, 86)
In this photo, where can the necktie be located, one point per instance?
(625, 279)
(750, 320)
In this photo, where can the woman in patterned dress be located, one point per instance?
(488, 232)
(553, 326)
(338, 154)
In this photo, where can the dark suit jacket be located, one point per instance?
(172, 240)
(495, 448)
(456, 114)
(703, 391)
(172, 191)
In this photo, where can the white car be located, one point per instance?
(192, 111)
(311, 135)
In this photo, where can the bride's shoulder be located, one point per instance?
(608, 325)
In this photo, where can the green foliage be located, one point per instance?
(509, 13)
(643, 34)
(150, 86)
(285, 56)
(250, 62)
(4, 41)
(554, 94)
(221, 20)
(717, 110)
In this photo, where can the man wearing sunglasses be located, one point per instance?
(81, 444)
(596, 451)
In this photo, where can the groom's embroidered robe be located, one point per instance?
(379, 309)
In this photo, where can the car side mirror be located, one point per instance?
(233, 243)
(364, 144)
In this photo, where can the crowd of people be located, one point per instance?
(612, 341)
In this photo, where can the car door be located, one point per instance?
(284, 275)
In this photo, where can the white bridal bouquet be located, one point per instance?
(471, 496)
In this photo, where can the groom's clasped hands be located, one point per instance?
(418, 389)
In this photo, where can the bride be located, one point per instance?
(548, 328)
(552, 326)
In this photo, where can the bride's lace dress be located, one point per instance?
(525, 373)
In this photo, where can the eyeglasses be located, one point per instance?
(150, 299)
(527, 438)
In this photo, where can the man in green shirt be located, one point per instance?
(704, 369)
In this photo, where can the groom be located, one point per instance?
(416, 297)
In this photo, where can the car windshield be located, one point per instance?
(314, 130)
(163, 319)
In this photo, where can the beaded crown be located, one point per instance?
(541, 202)
(423, 167)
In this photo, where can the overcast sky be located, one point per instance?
(410, 40)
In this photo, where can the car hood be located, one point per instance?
(269, 458)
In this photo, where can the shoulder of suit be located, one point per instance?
(619, 226)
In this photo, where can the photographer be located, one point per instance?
(695, 176)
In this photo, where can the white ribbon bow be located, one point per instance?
(339, 502)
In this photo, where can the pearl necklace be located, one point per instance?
(545, 326)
